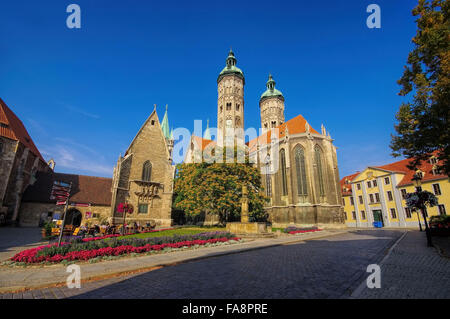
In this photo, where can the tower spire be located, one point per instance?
(165, 125)
(207, 135)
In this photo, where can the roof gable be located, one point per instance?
(12, 127)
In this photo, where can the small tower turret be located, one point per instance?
(271, 106)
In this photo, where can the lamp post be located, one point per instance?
(417, 181)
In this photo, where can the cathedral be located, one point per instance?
(298, 167)
(302, 179)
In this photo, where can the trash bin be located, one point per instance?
(377, 224)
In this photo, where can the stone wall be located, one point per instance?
(30, 213)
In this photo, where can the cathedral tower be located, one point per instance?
(271, 106)
(230, 101)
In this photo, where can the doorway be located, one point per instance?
(378, 217)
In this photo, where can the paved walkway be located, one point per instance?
(16, 239)
(412, 270)
(19, 278)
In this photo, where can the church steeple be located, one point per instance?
(165, 125)
(207, 135)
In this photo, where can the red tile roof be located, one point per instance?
(85, 189)
(12, 127)
(426, 167)
(295, 125)
(202, 142)
(345, 182)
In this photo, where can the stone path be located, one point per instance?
(328, 267)
(16, 239)
(412, 270)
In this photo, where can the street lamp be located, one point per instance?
(417, 181)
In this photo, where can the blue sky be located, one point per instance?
(84, 93)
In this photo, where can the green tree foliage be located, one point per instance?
(216, 188)
(423, 122)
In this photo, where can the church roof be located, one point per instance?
(12, 127)
(85, 189)
(203, 142)
(295, 125)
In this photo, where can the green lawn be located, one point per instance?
(177, 231)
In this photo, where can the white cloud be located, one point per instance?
(77, 157)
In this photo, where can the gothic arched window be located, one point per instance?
(300, 168)
(283, 173)
(147, 171)
(319, 169)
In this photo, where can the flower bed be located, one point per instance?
(86, 239)
(304, 231)
(100, 248)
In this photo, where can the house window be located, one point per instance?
(221, 109)
(153, 122)
(358, 186)
(377, 197)
(354, 215)
(387, 181)
(360, 199)
(436, 189)
(274, 124)
(371, 198)
(283, 173)
(441, 209)
(389, 194)
(363, 214)
(237, 107)
(147, 171)
(343, 201)
(369, 184)
(408, 212)
(351, 201)
(374, 183)
(393, 213)
(143, 208)
(319, 173)
(345, 215)
(300, 168)
(433, 160)
(403, 191)
(228, 106)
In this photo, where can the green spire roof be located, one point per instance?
(231, 68)
(271, 90)
(207, 135)
(165, 125)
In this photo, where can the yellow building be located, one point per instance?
(377, 194)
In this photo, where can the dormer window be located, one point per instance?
(433, 160)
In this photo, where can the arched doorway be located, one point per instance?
(73, 217)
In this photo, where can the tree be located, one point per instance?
(423, 122)
(216, 188)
